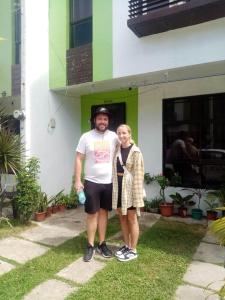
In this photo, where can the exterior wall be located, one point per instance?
(102, 40)
(150, 116)
(6, 45)
(54, 147)
(130, 97)
(177, 48)
(58, 41)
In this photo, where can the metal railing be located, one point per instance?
(143, 7)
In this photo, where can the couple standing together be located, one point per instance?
(114, 173)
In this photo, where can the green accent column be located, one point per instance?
(129, 97)
(58, 42)
(6, 45)
(102, 40)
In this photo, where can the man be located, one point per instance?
(96, 147)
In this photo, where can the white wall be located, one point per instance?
(150, 116)
(54, 147)
(177, 48)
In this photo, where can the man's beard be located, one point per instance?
(99, 129)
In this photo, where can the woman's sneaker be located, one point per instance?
(104, 250)
(121, 251)
(128, 255)
(89, 253)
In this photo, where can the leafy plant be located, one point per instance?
(182, 201)
(163, 183)
(42, 202)
(211, 202)
(218, 194)
(73, 198)
(148, 178)
(199, 193)
(56, 198)
(218, 228)
(152, 204)
(27, 189)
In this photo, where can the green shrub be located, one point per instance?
(27, 189)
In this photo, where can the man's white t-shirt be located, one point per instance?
(98, 149)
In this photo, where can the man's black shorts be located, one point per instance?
(98, 196)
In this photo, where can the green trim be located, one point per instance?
(58, 42)
(129, 97)
(102, 40)
(6, 46)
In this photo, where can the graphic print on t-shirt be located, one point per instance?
(102, 152)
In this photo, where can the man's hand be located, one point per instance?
(78, 186)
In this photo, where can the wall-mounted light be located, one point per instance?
(4, 94)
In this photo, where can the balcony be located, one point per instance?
(147, 17)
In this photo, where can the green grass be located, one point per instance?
(165, 251)
(18, 282)
(6, 230)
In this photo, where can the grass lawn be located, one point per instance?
(165, 251)
(17, 227)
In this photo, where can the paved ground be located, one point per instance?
(204, 278)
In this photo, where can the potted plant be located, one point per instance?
(166, 208)
(153, 205)
(219, 196)
(182, 202)
(197, 213)
(62, 202)
(42, 203)
(212, 204)
(55, 202)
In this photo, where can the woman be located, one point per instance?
(128, 176)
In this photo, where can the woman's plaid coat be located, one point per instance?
(132, 186)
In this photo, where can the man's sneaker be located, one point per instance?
(121, 251)
(128, 255)
(89, 253)
(104, 250)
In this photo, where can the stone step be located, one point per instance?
(210, 253)
(20, 250)
(51, 290)
(80, 271)
(188, 292)
(205, 275)
(5, 267)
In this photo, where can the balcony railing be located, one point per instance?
(148, 17)
(143, 7)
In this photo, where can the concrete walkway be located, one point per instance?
(204, 278)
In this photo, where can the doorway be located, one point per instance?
(117, 114)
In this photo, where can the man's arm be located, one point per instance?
(77, 170)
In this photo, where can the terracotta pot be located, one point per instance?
(49, 211)
(182, 212)
(211, 215)
(61, 207)
(55, 209)
(40, 216)
(166, 209)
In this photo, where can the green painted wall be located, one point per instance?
(58, 42)
(6, 45)
(130, 97)
(102, 40)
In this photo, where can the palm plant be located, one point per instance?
(11, 150)
(218, 228)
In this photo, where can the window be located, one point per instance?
(194, 140)
(80, 22)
